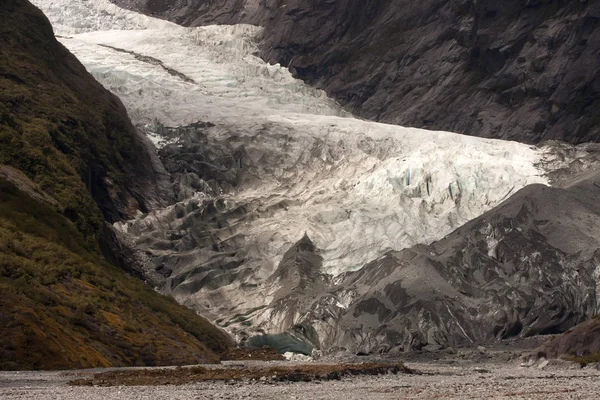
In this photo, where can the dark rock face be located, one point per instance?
(581, 343)
(527, 267)
(518, 70)
(524, 268)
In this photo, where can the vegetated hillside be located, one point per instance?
(69, 159)
(65, 131)
(519, 70)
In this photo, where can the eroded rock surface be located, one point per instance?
(581, 343)
(518, 70)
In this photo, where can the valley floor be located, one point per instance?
(443, 379)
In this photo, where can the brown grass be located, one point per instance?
(265, 353)
(62, 307)
(585, 360)
(279, 373)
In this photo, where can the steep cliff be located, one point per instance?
(520, 69)
(69, 161)
(66, 132)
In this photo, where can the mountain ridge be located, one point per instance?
(516, 70)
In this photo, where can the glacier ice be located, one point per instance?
(357, 188)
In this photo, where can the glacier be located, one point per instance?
(357, 189)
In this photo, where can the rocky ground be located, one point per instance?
(493, 372)
(441, 381)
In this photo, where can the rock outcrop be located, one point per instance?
(581, 343)
(518, 70)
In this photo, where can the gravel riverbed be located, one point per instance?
(555, 380)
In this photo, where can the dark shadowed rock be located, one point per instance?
(518, 70)
(525, 268)
(581, 343)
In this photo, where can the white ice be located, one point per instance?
(357, 188)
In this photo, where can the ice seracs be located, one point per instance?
(357, 188)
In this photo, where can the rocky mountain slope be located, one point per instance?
(70, 160)
(517, 70)
(527, 267)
